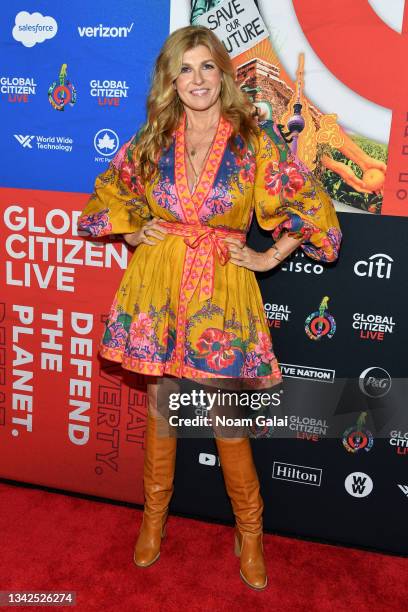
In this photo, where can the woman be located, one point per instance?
(183, 192)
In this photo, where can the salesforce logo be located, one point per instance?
(31, 29)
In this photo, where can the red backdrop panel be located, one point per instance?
(68, 418)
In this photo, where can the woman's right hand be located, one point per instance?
(151, 229)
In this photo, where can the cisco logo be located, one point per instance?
(377, 266)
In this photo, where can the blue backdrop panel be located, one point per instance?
(111, 42)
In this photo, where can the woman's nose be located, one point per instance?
(198, 77)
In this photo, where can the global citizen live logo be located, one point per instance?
(108, 93)
(373, 326)
(276, 313)
(399, 442)
(17, 89)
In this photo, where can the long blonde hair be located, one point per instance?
(165, 109)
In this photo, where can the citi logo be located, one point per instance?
(102, 31)
(378, 265)
(404, 489)
(358, 484)
(302, 474)
(25, 141)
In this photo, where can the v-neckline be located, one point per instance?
(191, 203)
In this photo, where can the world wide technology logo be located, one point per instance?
(62, 91)
(320, 323)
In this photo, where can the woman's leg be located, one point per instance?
(158, 476)
(242, 484)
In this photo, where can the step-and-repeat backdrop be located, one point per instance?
(73, 86)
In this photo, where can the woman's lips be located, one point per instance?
(199, 92)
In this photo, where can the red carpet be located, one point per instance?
(54, 541)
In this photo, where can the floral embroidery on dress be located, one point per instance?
(138, 338)
(97, 224)
(287, 179)
(224, 352)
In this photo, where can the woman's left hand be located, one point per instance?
(242, 255)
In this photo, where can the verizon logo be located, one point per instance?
(101, 31)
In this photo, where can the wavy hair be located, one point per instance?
(165, 109)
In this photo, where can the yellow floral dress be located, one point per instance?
(182, 308)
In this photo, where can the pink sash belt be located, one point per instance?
(204, 243)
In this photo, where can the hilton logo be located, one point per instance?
(297, 473)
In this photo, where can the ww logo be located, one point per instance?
(358, 484)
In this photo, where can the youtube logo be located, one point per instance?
(208, 459)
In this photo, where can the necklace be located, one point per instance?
(193, 152)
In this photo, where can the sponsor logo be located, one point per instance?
(307, 372)
(208, 459)
(404, 489)
(302, 474)
(399, 441)
(375, 382)
(108, 93)
(34, 28)
(298, 262)
(357, 437)
(17, 89)
(320, 323)
(25, 141)
(46, 143)
(62, 91)
(101, 31)
(373, 326)
(377, 266)
(308, 428)
(106, 143)
(358, 484)
(276, 313)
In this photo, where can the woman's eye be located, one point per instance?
(185, 69)
(208, 66)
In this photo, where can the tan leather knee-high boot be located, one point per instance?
(158, 476)
(242, 486)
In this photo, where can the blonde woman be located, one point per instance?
(183, 191)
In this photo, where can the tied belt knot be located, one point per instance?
(204, 243)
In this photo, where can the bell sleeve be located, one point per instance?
(118, 203)
(288, 197)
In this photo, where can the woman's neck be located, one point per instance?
(203, 121)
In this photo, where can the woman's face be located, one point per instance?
(199, 82)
